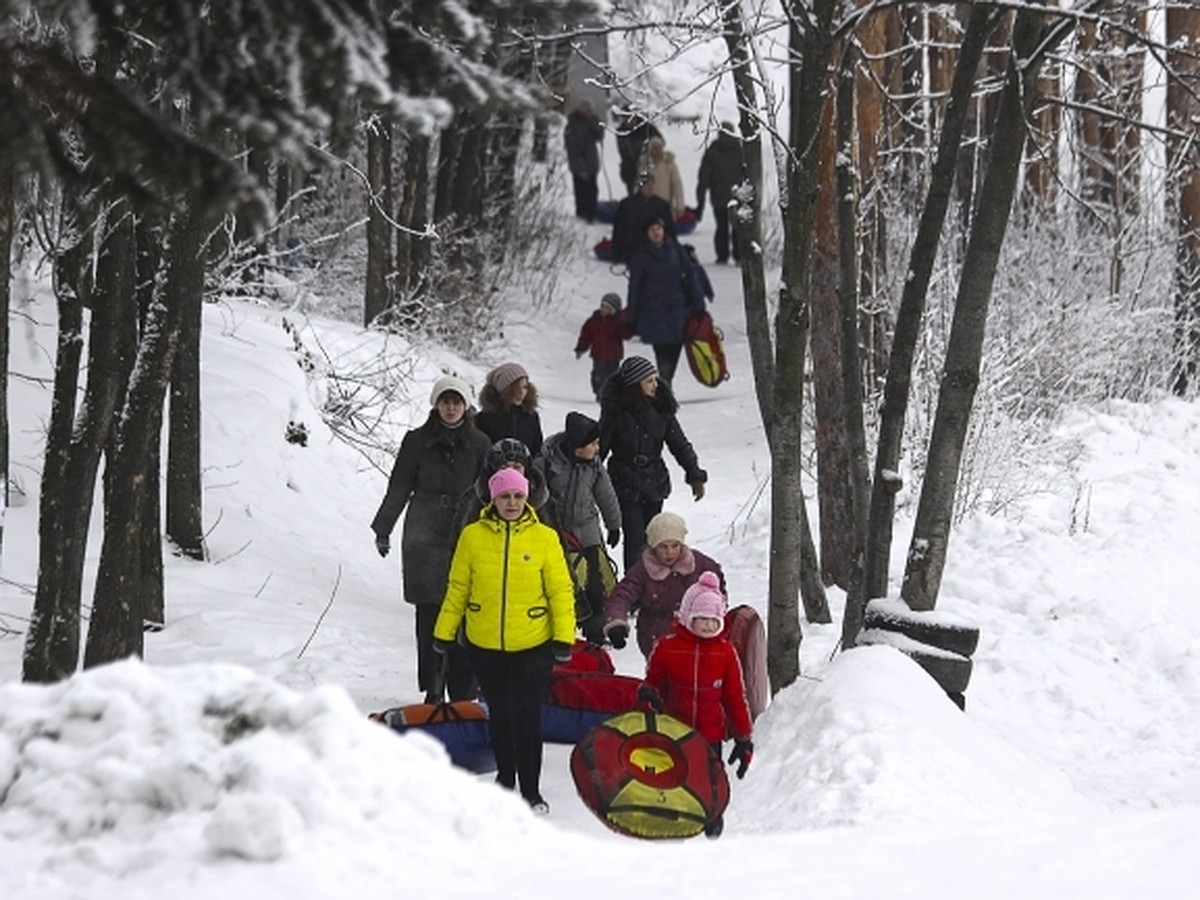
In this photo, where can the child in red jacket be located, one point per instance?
(694, 675)
(604, 333)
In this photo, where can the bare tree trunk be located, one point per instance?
(811, 42)
(377, 291)
(8, 225)
(73, 448)
(912, 307)
(1041, 151)
(869, 116)
(185, 486)
(746, 220)
(117, 610)
(149, 234)
(852, 399)
(836, 535)
(412, 250)
(964, 350)
(1183, 110)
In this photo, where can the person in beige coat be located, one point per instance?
(660, 162)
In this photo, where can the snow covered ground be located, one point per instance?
(236, 760)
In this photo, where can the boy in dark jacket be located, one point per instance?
(581, 495)
(604, 333)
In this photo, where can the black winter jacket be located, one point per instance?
(721, 169)
(633, 430)
(434, 465)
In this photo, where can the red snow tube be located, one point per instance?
(648, 775)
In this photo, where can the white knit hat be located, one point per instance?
(666, 526)
(449, 383)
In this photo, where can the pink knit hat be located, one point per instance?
(502, 377)
(507, 479)
(704, 598)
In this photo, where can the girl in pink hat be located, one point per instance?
(695, 675)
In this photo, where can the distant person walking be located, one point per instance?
(634, 214)
(582, 135)
(668, 183)
(663, 294)
(722, 168)
(632, 133)
(603, 336)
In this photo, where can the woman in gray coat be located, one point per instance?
(435, 464)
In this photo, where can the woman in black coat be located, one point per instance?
(435, 464)
(637, 417)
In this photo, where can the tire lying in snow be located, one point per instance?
(939, 629)
(952, 671)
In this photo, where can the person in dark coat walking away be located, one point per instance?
(508, 407)
(637, 417)
(434, 465)
(581, 136)
(632, 134)
(506, 453)
(722, 168)
(653, 587)
(695, 675)
(634, 214)
(510, 590)
(581, 494)
(663, 295)
(603, 334)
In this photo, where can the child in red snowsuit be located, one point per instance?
(694, 675)
(604, 333)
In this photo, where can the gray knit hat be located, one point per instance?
(635, 369)
(502, 377)
(613, 300)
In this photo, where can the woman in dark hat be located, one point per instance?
(637, 417)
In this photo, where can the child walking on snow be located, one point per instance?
(604, 333)
(581, 495)
(694, 675)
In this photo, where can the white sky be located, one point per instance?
(1072, 773)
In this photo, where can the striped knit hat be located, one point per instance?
(635, 369)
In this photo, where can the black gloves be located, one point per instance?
(562, 651)
(697, 490)
(648, 698)
(617, 635)
(382, 544)
(440, 646)
(614, 536)
(699, 211)
(743, 752)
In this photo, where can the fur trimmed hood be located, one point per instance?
(489, 400)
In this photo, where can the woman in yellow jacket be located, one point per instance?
(509, 583)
